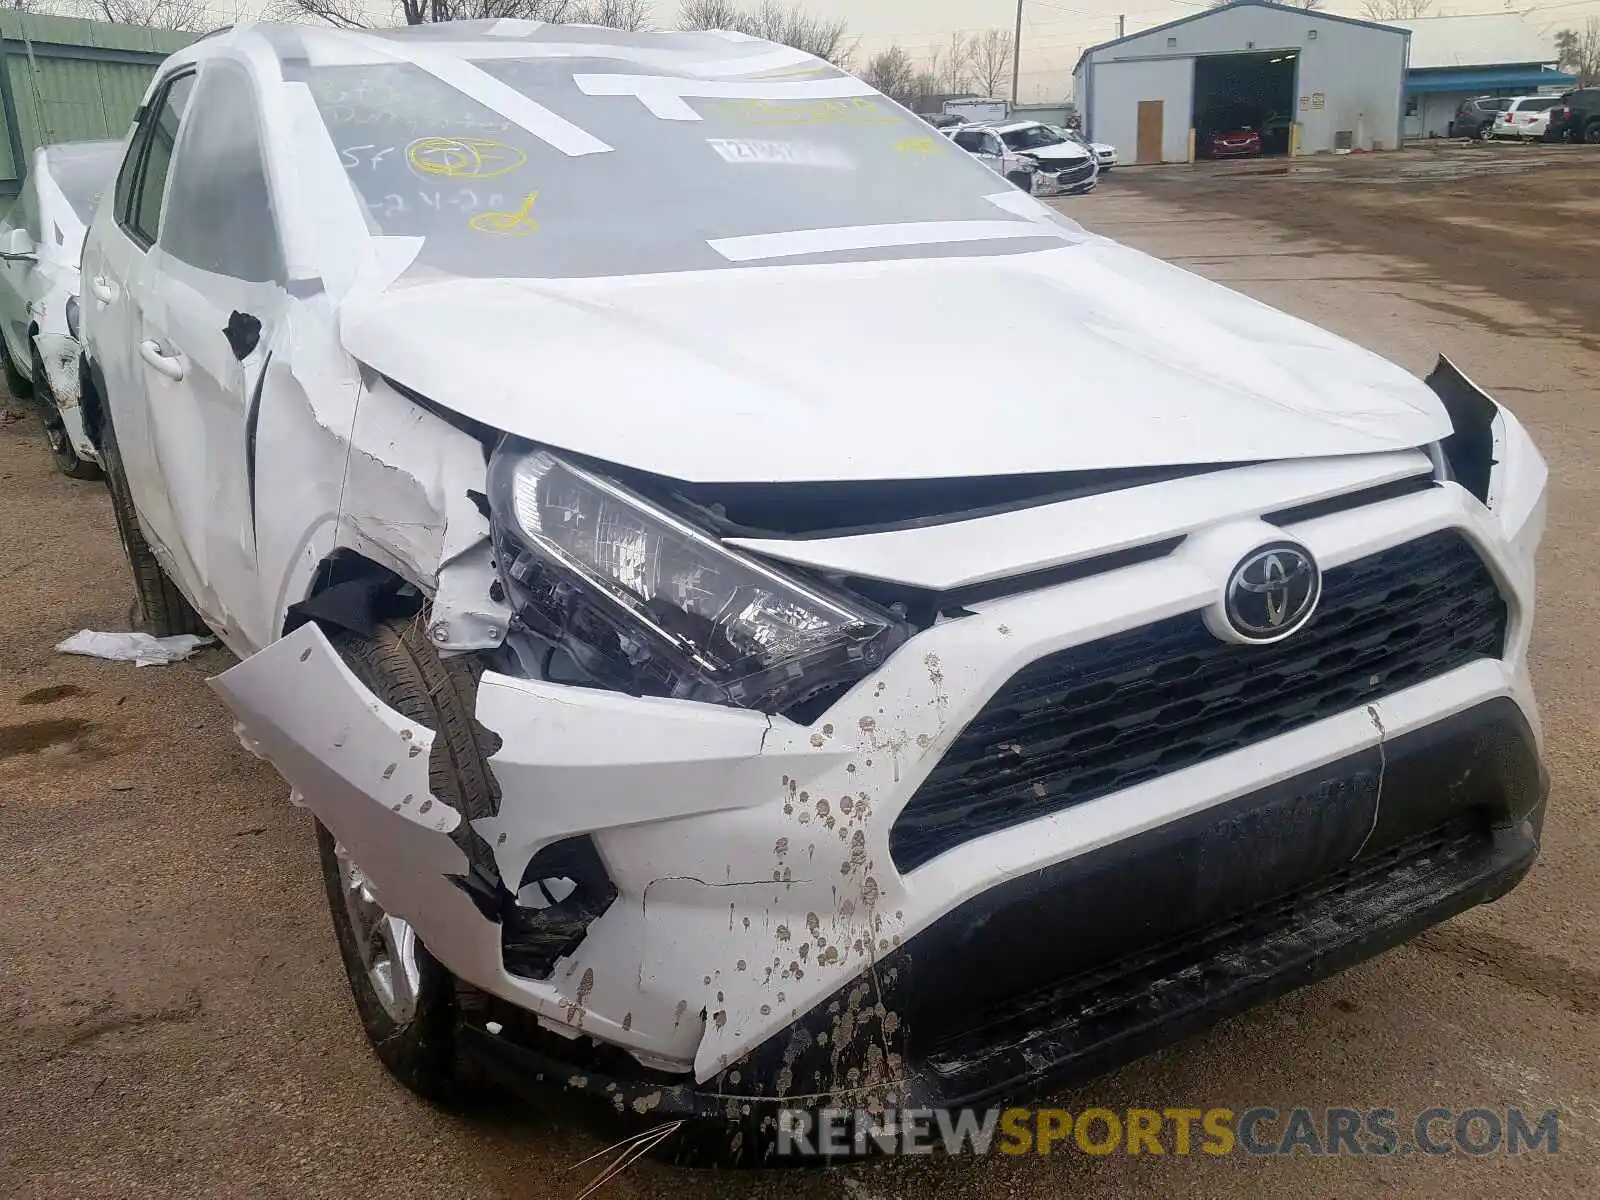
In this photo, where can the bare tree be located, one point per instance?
(1395, 10)
(711, 14)
(1580, 51)
(631, 15)
(925, 86)
(776, 22)
(892, 73)
(190, 15)
(353, 14)
(992, 52)
(955, 73)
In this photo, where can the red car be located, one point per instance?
(1233, 143)
(1230, 131)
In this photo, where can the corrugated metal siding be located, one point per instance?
(81, 80)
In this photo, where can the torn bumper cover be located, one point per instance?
(784, 915)
(60, 352)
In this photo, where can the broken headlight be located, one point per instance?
(648, 604)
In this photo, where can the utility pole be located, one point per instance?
(1122, 24)
(1016, 56)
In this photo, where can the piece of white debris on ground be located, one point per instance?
(139, 648)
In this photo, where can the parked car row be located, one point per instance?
(717, 688)
(1571, 117)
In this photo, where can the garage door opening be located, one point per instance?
(1244, 103)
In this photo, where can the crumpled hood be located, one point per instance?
(1065, 152)
(1083, 357)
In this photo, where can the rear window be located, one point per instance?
(491, 199)
(1542, 104)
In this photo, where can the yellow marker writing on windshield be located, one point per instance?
(509, 224)
(463, 158)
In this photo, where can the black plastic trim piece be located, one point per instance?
(1469, 450)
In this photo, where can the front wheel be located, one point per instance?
(1591, 133)
(55, 430)
(408, 1002)
(1025, 182)
(163, 610)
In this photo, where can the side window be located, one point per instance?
(993, 145)
(152, 146)
(219, 210)
(970, 142)
(122, 196)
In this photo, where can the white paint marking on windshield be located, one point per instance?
(770, 152)
(1021, 204)
(498, 97)
(876, 237)
(513, 106)
(667, 97)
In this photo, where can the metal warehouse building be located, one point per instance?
(1308, 81)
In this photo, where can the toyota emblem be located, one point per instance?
(1272, 592)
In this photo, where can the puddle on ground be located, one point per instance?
(29, 737)
(51, 695)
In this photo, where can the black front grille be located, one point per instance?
(1097, 718)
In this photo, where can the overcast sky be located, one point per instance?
(1054, 32)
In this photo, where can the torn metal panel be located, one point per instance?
(406, 503)
(309, 394)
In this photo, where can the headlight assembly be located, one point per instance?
(646, 603)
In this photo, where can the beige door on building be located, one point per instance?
(1150, 122)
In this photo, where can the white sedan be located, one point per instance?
(1526, 119)
(40, 240)
(1105, 154)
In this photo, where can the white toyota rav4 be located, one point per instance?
(717, 688)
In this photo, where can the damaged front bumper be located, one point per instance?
(60, 352)
(762, 935)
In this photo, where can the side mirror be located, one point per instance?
(17, 246)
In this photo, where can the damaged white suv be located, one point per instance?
(718, 689)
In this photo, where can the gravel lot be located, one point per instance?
(174, 1020)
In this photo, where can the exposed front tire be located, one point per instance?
(1025, 182)
(163, 610)
(18, 386)
(408, 1002)
(1591, 133)
(55, 431)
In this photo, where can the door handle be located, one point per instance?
(104, 290)
(170, 365)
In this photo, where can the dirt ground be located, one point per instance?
(174, 1020)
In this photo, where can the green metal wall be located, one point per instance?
(64, 80)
